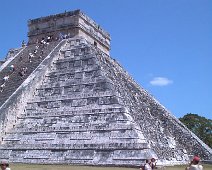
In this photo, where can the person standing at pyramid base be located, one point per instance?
(153, 163)
(194, 164)
(4, 165)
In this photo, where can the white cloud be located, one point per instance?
(160, 81)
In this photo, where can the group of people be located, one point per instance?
(150, 164)
(23, 70)
(39, 43)
(11, 68)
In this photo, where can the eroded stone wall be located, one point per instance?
(69, 24)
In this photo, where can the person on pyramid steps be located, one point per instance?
(5, 165)
(49, 39)
(6, 78)
(2, 87)
(22, 71)
(11, 68)
(194, 164)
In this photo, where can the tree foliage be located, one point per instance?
(200, 126)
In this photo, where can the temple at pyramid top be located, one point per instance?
(69, 24)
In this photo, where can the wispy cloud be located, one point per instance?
(160, 81)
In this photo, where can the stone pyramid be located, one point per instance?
(74, 104)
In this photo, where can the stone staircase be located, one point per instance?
(22, 61)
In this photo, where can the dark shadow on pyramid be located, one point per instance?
(76, 105)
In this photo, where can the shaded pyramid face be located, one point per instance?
(85, 109)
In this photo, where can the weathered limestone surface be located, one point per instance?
(79, 106)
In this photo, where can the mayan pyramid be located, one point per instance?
(66, 101)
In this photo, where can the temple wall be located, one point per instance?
(68, 24)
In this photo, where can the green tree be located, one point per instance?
(200, 126)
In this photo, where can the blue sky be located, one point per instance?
(166, 46)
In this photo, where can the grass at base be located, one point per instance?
(72, 167)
